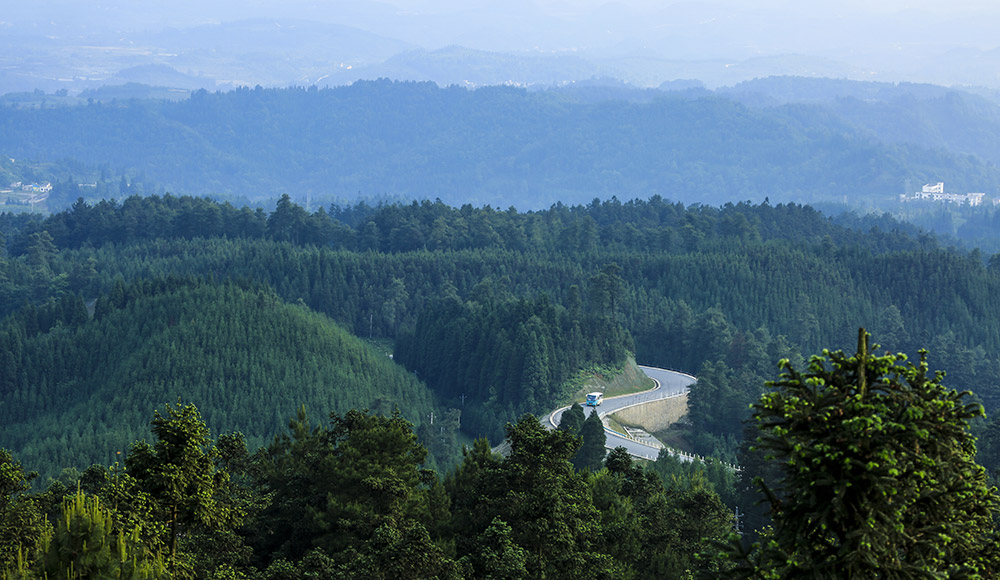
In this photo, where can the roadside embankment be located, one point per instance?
(655, 415)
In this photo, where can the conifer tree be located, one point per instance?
(83, 544)
(572, 419)
(879, 478)
(591, 453)
(496, 556)
(334, 488)
(535, 491)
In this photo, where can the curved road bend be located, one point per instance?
(668, 384)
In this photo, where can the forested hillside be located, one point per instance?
(76, 390)
(495, 145)
(351, 498)
(511, 357)
(720, 292)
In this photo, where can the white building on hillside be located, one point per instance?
(936, 192)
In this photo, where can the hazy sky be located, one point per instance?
(554, 24)
(886, 39)
(187, 12)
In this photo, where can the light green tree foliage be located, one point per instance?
(219, 552)
(130, 506)
(879, 478)
(84, 544)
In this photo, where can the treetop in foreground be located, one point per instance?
(879, 478)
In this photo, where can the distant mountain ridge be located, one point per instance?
(963, 121)
(498, 145)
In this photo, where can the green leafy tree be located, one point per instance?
(180, 473)
(606, 290)
(338, 488)
(401, 550)
(685, 522)
(220, 552)
(41, 250)
(662, 527)
(536, 491)
(878, 473)
(21, 522)
(288, 221)
(496, 556)
(621, 529)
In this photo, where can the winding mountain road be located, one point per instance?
(668, 384)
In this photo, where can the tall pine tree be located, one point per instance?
(591, 453)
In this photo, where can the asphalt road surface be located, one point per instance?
(668, 384)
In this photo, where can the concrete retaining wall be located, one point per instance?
(654, 416)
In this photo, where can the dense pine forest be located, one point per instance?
(723, 293)
(256, 326)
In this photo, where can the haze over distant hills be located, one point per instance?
(56, 44)
(503, 146)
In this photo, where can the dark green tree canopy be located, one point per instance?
(334, 487)
(591, 453)
(572, 419)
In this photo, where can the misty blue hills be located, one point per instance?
(785, 138)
